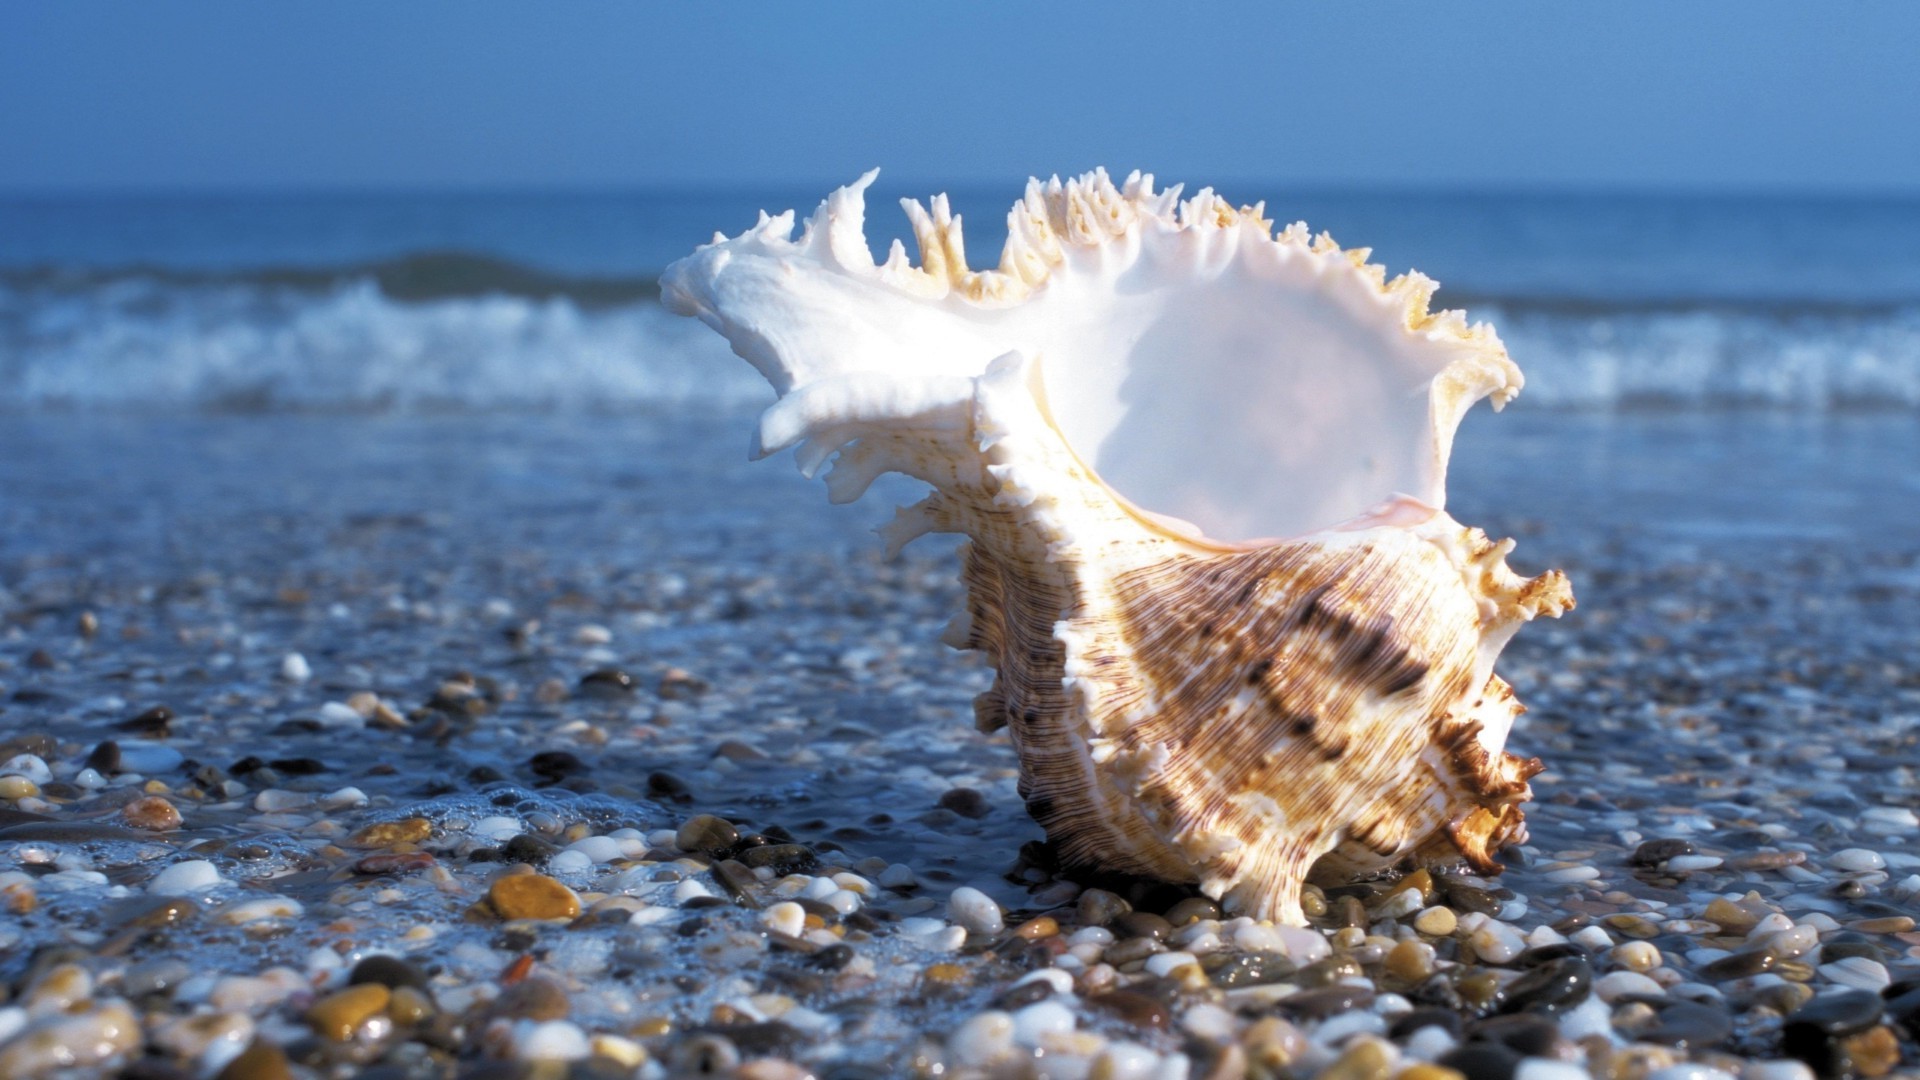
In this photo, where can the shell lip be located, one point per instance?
(1398, 510)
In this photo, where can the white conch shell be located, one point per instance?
(1203, 471)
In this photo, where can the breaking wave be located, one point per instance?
(462, 332)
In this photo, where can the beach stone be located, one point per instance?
(975, 910)
(981, 1040)
(338, 1015)
(1326, 1001)
(1551, 987)
(182, 878)
(786, 918)
(537, 999)
(706, 834)
(1192, 909)
(1481, 1061)
(389, 833)
(261, 1060)
(1526, 1035)
(1495, 942)
(532, 896)
(1410, 961)
(1438, 921)
(1858, 972)
(1856, 860)
(1098, 907)
(1135, 1010)
(1618, 984)
(389, 971)
(780, 858)
(1364, 1059)
(1688, 1025)
(607, 683)
(1655, 852)
(1138, 924)
(966, 802)
(553, 1040)
(88, 1036)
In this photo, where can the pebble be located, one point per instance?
(1617, 984)
(1040, 1019)
(1496, 942)
(975, 910)
(897, 876)
(983, 1039)
(553, 1040)
(88, 1036)
(1438, 921)
(786, 918)
(182, 878)
(294, 668)
(1856, 860)
(258, 910)
(707, 835)
(532, 896)
(338, 1015)
(1682, 864)
(1858, 972)
(390, 833)
(152, 813)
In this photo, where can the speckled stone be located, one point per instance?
(532, 896)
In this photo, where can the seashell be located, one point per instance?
(1202, 468)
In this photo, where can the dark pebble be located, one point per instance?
(152, 724)
(768, 1038)
(1098, 907)
(1139, 924)
(832, 958)
(607, 683)
(1132, 1009)
(299, 766)
(1447, 1020)
(966, 802)
(1326, 1001)
(1481, 1061)
(105, 758)
(707, 834)
(1688, 1025)
(1024, 994)
(556, 765)
(1842, 1013)
(1655, 852)
(527, 848)
(738, 881)
(1192, 909)
(1551, 987)
(1739, 965)
(149, 912)
(388, 971)
(1848, 943)
(780, 858)
(698, 902)
(1462, 897)
(1546, 954)
(665, 785)
(1904, 1010)
(1528, 1036)
(535, 999)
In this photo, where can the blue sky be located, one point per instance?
(1510, 94)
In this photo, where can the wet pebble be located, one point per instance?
(975, 911)
(532, 896)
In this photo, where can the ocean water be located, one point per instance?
(459, 302)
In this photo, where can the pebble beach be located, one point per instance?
(544, 746)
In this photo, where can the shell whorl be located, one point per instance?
(1230, 714)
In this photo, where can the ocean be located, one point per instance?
(412, 302)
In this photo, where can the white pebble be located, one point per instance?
(593, 634)
(1160, 965)
(294, 668)
(1127, 1061)
(786, 918)
(1896, 816)
(1091, 935)
(600, 849)
(497, 828)
(1303, 946)
(1786, 1069)
(1210, 1022)
(1593, 937)
(1771, 923)
(975, 910)
(1570, 874)
(1694, 862)
(339, 714)
(1403, 903)
(898, 876)
(818, 888)
(1689, 1072)
(1614, 984)
(1497, 943)
(569, 861)
(1590, 1017)
(844, 901)
(1338, 1029)
(266, 907)
(1535, 1068)
(1858, 972)
(1429, 1042)
(1855, 860)
(553, 1040)
(280, 800)
(688, 890)
(194, 875)
(29, 766)
(344, 799)
(982, 1039)
(1039, 1019)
